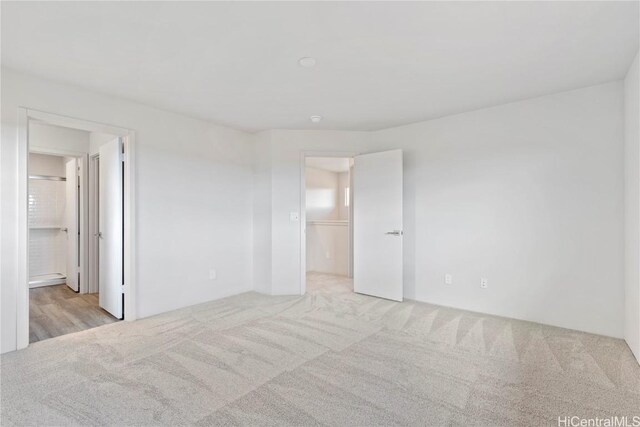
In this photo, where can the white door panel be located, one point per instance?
(110, 269)
(377, 224)
(71, 224)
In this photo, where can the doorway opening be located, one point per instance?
(59, 301)
(64, 286)
(75, 243)
(351, 228)
(328, 223)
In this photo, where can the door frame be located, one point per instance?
(84, 218)
(93, 252)
(25, 115)
(303, 209)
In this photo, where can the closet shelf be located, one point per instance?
(332, 222)
(47, 280)
(48, 177)
(45, 227)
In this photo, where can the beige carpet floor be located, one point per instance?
(331, 357)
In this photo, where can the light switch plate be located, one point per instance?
(294, 216)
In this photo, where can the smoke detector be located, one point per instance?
(307, 62)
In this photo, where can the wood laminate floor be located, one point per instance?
(57, 310)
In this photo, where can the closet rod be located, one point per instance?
(50, 178)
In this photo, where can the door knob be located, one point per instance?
(394, 233)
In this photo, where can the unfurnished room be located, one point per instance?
(350, 213)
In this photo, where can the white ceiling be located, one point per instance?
(379, 64)
(331, 164)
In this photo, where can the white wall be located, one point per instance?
(262, 206)
(528, 194)
(193, 189)
(287, 146)
(328, 247)
(97, 139)
(321, 198)
(280, 152)
(56, 137)
(632, 209)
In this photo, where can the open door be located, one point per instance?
(71, 224)
(110, 234)
(377, 225)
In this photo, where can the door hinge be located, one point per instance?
(122, 288)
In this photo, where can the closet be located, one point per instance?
(53, 216)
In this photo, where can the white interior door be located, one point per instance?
(110, 201)
(377, 224)
(71, 219)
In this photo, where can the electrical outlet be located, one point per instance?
(448, 279)
(484, 283)
(294, 216)
(213, 275)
